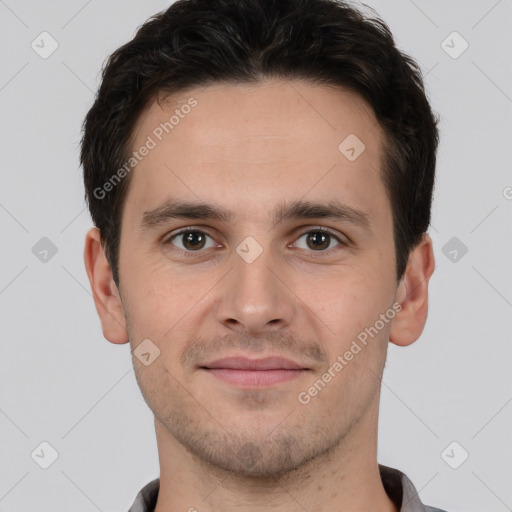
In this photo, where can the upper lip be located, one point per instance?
(266, 363)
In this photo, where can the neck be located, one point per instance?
(343, 480)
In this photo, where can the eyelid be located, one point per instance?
(340, 237)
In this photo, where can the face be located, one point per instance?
(292, 256)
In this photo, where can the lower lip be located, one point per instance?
(254, 378)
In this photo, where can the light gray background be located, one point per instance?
(63, 383)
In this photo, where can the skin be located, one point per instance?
(249, 148)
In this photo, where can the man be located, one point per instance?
(260, 176)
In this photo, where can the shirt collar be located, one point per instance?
(400, 490)
(396, 484)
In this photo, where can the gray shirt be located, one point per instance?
(398, 487)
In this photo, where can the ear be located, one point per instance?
(104, 290)
(412, 294)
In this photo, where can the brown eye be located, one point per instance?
(191, 240)
(319, 240)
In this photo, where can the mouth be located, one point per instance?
(254, 372)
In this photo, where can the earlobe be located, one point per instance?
(105, 293)
(412, 294)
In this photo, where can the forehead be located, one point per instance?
(260, 142)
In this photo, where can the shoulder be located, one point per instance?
(402, 491)
(147, 497)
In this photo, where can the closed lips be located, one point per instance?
(243, 363)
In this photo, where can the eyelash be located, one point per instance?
(191, 229)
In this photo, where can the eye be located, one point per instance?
(319, 240)
(192, 240)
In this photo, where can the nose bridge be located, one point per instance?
(252, 297)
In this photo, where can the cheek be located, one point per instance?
(162, 388)
(352, 309)
(167, 304)
(161, 311)
(154, 304)
(351, 300)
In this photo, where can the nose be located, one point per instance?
(255, 297)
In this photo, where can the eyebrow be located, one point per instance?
(333, 210)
